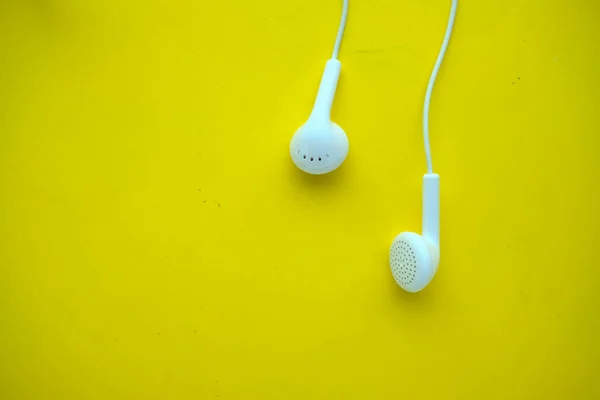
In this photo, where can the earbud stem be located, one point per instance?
(322, 109)
(431, 208)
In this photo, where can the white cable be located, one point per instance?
(432, 79)
(340, 34)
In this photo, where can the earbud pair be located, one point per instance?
(320, 146)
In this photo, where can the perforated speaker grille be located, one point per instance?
(403, 262)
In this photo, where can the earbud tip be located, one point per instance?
(411, 262)
(319, 148)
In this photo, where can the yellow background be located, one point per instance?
(156, 241)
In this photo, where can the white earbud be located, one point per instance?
(414, 258)
(320, 146)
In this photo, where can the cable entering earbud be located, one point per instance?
(414, 258)
(320, 146)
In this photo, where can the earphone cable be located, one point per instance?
(340, 34)
(432, 79)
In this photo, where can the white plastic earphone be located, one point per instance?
(414, 258)
(320, 146)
